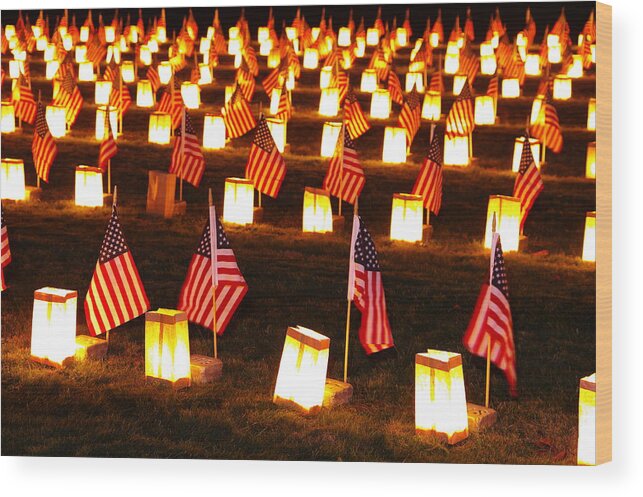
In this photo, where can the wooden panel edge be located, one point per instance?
(603, 233)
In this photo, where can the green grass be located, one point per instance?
(106, 409)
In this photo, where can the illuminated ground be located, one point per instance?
(105, 409)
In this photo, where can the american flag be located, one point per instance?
(460, 121)
(116, 294)
(429, 182)
(120, 99)
(394, 87)
(154, 78)
(43, 147)
(187, 159)
(515, 67)
(284, 110)
(24, 102)
(69, 96)
(468, 27)
(528, 184)
(96, 51)
(410, 116)
(366, 289)
(504, 52)
(469, 63)
(354, 117)
(340, 80)
(544, 50)
(108, 146)
(273, 80)
(345, 178)
(5, 252)
(436, 83)
(111, 71)
(492, 89)
(237, 115)
(547, 127)
(196, 294)
(250, 57)
(491, 320)
(245, 80)
(172, 103)
(265, 167)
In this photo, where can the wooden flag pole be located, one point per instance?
(348, 307)
(113, 205)
(488, 379)
(214, 296)
(108, 125)
(120, 107)
(35, 124)
(181, 155)
(342, 130)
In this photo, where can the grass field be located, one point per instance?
(106, 409)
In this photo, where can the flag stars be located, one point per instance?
(263, 138)
(114, 242)
(365, 252)
(499, 276)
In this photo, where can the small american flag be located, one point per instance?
(410, 116)
(187, 159)
(492, 89)
(429, 182)
(273, 80)
(491, 320)
(116, 294)
(111, 71)
(5, 252)
(394, 87)
(547, 127)
(237, 115)
(43, 147)
(120, 99)
(356, 122)
(154, 78)
(108, 146)
(528, 184)
(250, 57)
(460, 119)
(345, 178)
(469, 63)
(196, 294)
(340, 80)
(265, 167)
(543, 47)
(284, 110)
(69, 96)
(468, 27)
(172, 103)
(24, 102)
(245, 80)
(96, 51)
(366, 289)
(436, 83)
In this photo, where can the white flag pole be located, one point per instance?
(351, 286)
(213, 259)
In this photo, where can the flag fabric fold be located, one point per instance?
(116, 294)
(429, 181)
(265, 166)
(187, 158)
(43, 147)
(492, 321)
(207, 269)
(345, 177)
(529, 182)
(366, 290)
